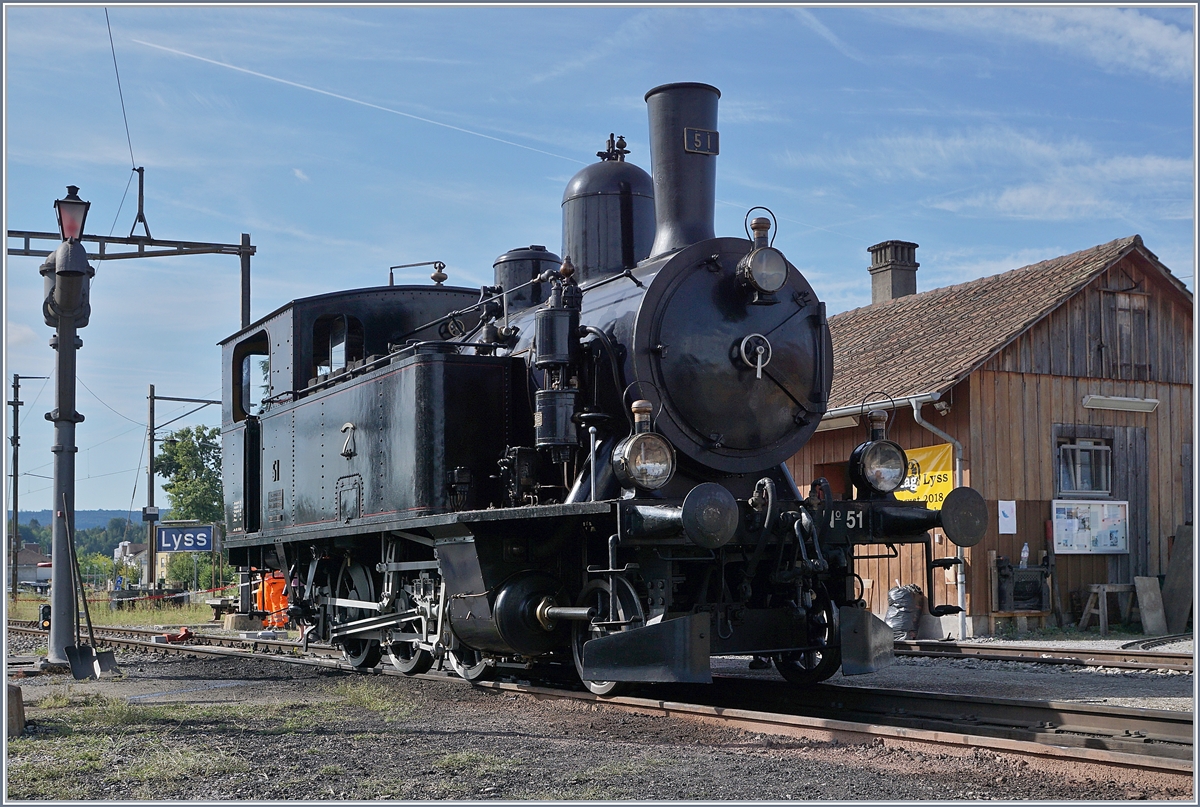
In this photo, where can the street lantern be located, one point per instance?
(72, 213)
(66, 308)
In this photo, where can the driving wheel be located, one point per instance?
(469, 663)
(402, 651)
(354, 583)
(626, 615)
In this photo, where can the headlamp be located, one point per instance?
(645, 459)
(765, 269)
(880, 465)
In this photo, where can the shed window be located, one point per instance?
(1084, 468)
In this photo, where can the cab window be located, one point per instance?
(337, 344)
(252, 376)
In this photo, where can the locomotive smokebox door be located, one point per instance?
(867, 642)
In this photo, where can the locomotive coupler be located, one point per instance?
(813, 566)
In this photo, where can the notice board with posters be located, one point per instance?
(930, 475)
(1083, 527)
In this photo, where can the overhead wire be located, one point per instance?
(124, 117)
(128, 139)
(29, 411)
(136, 477)
(109, 408)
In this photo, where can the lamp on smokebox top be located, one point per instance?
(72, 213)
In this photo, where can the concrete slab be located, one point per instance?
(16, 711)
(1150, 606)
(242, 622)
(1177, 591)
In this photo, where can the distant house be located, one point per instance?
(1068, 379)
(131, 554)
(28, 569)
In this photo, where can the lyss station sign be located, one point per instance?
(189, 538)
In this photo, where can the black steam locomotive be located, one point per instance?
(580, 465)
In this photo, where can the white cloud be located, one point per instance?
(1115, 39)
(628, 36)
(1025, 175)
(300, 175)
(952, 266)
(809, 19)
(19, 334)
(934, 154)
(1122, 187)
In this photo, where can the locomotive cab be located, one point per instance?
(277, 452)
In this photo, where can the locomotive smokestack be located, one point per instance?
(683, 150)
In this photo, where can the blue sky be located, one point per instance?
(346, 140)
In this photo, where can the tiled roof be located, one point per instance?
(930, 341)
(30, 556)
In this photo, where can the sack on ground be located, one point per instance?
(904, 610)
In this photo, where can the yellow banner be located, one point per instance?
(930, 475)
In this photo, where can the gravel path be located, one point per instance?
(209, 728)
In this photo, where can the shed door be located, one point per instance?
(1131, 482)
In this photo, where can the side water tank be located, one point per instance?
(608, 215)
(519, 266)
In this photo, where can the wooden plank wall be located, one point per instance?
(1128, 333)
(835, 447)
(1128, 325)
(1015, 459)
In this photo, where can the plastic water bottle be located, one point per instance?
(1025, 556)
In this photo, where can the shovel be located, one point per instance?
(86, 662)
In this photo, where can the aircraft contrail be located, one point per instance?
(354, 100)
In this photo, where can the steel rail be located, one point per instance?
(1146, 739)
(852, 731)
(1128, 659)
(1034, 654)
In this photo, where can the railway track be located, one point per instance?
(1126, 659)
(1144, 739)
(1133, 656)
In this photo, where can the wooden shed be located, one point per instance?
(1068, 379)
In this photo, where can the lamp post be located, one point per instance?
(66, 308)
(15, 544)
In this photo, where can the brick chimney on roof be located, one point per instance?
(893, 270)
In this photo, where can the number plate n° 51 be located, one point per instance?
(701, 141)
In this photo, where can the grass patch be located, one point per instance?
(621, 770)
(471, 761)
(183, 764)
(138, 614)
(332, 770)
(372, 696)
(56, 700)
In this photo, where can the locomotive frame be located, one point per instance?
(582, 465)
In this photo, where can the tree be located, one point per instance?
(181, 569)
(118, 530)
(97, 566)
(190, 459)
(35, 533)
(129, 572)
(187, 568)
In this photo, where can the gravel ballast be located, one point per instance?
(215, 729)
